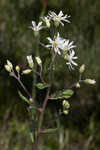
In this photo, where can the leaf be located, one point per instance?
(27, 71)
(31, 136)
(23, 97)
(41, 85)
(49, 130)
(65, 94)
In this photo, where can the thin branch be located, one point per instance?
(22, 85)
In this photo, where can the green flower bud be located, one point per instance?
(82, 68)
(77, 85)
(27, 71)
(66, 104)
(17, 69)
(89, 81)
(7, 68)
(39, 61)
(65, 112)
(30, 61)
(9, 64)
(31, 100)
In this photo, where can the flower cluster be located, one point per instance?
(60, 45)
(64, 47)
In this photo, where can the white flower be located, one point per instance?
(67, 46)
(58, 18)
(36, 27)
(70, 57)
(56, 43)
(47, 21)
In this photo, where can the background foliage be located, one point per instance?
(81, 128)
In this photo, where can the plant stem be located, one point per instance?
(34, 75)
(35, 146)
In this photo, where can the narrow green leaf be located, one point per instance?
(49, 130)
(23, 97)
(31, 136)
(67, 93)
(41, 85)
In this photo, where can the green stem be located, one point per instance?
(34, 75)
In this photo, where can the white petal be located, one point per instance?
(72, 53)
(39, 24)
(75, 57)
(60, 14)
(50, 40)
(74, 63)
(33, 23)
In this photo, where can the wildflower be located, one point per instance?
(56, 43)
(70, 57)
(58, 18)
(30, 61)
(47, 21)
(67, 46)
(36, 28)
(90, 81)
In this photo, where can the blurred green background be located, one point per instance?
(80, 129)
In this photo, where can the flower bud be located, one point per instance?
(65, 112)
(82, 68)
(27, 71)
(7, 68)
(9, 64)
(66, 104)
(30, 61)
(39, 61)
(90, 81)
(17, 69)
(77, 85)
(31, 100)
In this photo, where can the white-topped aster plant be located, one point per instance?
(70, 59)
(57, 45)
(59, 18)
